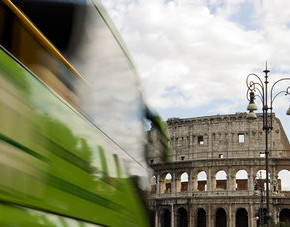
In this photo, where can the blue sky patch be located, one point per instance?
(244, 16)
(214, 7)
(172, 91)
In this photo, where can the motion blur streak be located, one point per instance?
(71, 118)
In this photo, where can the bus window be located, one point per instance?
(24, 43)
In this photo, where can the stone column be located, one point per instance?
(251, 216)
(209, 180)
(213, 183)
(192, 217)
(158, 184)
(231, 217)
(173, 184)
(210, 216)
(156, 218)
(274, 180)
(275, 183)
(251, 179)
(230, 182)
(190, 146)
(193, 146)
(172, 216)
(274, 214)
(194, 181)
(190, 182)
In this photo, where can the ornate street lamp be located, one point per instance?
(257, 88)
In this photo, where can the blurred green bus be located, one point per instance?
(71, 118)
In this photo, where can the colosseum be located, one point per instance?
(217, 175)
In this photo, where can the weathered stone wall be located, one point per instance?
(227, 144)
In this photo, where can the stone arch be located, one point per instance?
(182, 217)
(201, 178)
(201, 217)
(153, 184)
(241, 180)
(182, 182)
(261, 217)
(283, 180)
(221, 218)
(165, 218)
(166, 183)
(242, 217)
(221, 180)
(284, 215)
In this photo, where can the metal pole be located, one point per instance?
(261, 221)
(267, 182)
(266, 129)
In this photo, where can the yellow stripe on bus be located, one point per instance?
(42, 38)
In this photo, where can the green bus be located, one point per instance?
(72, 138)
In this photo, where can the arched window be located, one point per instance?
(184, 182)
(284, 180)
(221, 180)
(202, 181)
(166, 183)
(241, 180)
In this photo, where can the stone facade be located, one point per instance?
(216, 178)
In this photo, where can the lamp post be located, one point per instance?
(261, 211)
(258, 88)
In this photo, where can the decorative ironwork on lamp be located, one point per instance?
(261, 89)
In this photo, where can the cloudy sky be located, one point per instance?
(193, 56)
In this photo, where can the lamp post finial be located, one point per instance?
(266, 70)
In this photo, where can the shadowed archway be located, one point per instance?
(165, 218)
(284, 215)
(182, 218)
(221, 218)
(201, 218)
(242, 218)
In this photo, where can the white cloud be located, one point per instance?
(191, 53)
(181, 44)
